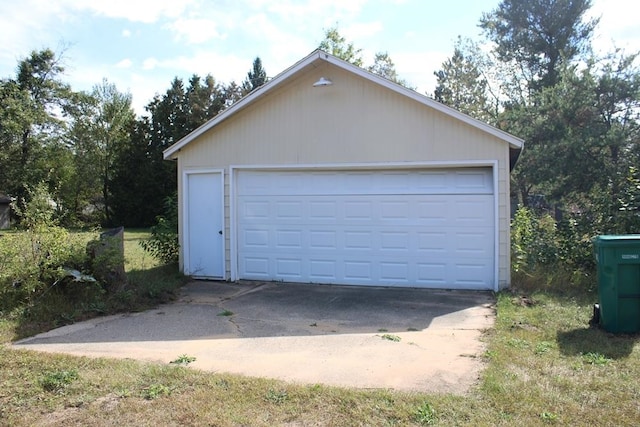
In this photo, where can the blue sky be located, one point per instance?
(140, 45)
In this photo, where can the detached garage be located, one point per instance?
(331, 174)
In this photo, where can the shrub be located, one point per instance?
(37, 259)
(163, 243)
(534, 240)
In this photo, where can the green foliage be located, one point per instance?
(462, 82)
(391, 337)
(534, 240)
(56, 381)
(183, 360)
(597, 359)
(225, 313)
(335, 44)
(425, 414)
(35, 260)
(276, 396)
(155, 391)
(163, 243)
(539, 35)
(256, 77)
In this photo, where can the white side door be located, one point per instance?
(203, 224)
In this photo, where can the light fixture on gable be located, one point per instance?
(322, 81)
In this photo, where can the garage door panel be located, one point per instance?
(256, 267)
(364, 238)
(323, 240)
(321, 270)
(378, 182)
(289, 268)
(255, 209)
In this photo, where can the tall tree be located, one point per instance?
(383, 66)
(98, 135)
(335, 44)
(462, 83)
(31, 118)
(256, 77)
(539, 35)
(140, 169)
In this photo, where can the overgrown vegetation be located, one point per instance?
(51, 276)
(163, 242)
(545, 253)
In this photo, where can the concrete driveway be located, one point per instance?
(405, 339)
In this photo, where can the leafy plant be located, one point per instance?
(56, 381)
(391, 337)
(155, 391)
(276, 396)
(183, 360)
(543, 347)
(39, 258)
(163, 243)
(225, 313)
(425, 414)
(595, 359)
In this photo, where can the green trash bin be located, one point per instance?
(618, 259)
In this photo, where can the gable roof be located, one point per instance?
(312, 60)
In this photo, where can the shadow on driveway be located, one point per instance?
(412, 339)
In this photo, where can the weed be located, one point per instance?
(518, 343)
(226, 313)
(57, 381)
(425, 414)
(413, 329)
(543, 347)
(183, 360)
(276, 396)
(383, 330)
(595, 359)
(391, 337)
(155, 391)
(549, 417)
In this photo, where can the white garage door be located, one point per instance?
(416, 228)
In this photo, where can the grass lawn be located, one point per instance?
(545, 366)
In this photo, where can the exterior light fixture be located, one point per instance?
(322, 81)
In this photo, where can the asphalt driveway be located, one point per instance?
(406, 339)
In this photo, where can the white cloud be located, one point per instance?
(418, 67)
(224, 68)
(28, 25)
(292, 10)
(146, 11)
(126, 33)
(194, 31)
(150, 63)
(362, 30)
(125, 63)
(618, 26)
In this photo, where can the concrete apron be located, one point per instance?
(308, 334)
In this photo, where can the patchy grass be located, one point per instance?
(545, 366)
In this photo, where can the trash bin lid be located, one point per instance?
(617, 240)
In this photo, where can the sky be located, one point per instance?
(141, 45)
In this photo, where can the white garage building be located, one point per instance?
(331, 174)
